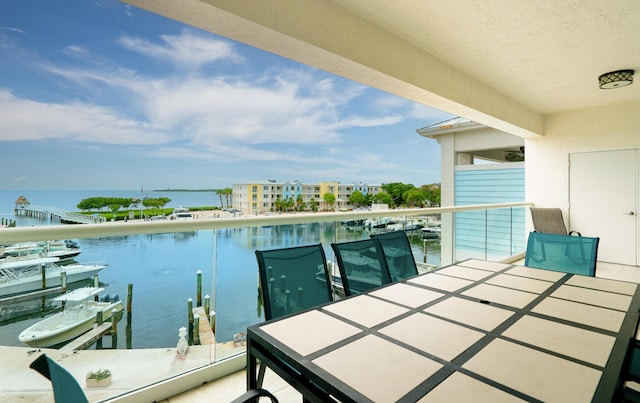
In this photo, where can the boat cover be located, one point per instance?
(79, 294)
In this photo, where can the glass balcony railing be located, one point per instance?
(169, 267)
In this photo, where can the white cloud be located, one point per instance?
(30, 120)
(13, 29)
(187, 49)
(290, 115)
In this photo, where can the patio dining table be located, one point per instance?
(472, 331)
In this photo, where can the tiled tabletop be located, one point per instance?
(474, 331)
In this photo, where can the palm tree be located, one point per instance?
(228, 193)
(220, 192)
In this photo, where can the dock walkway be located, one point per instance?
(54, 213)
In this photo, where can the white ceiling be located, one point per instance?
(545, 54)
(502, 63)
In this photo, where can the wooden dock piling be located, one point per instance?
(190, 313)
(199, 288)
(129, 302)
(43, 270)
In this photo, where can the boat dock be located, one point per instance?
(90, 337)
(56, 214)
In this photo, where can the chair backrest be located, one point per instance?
(362, 265)
(397, 251)
(548, 220)
(293, 279)
(65, 387)
(564, 253)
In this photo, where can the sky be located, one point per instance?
(97, 94)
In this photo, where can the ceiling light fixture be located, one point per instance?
(616, 79)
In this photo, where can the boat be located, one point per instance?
(64, 250)
(431, 232)
(181, 213)
(77, 318)
(20, 276)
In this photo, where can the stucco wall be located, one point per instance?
(596, 129)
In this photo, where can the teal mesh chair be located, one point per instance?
(565, 253)
(293, 279)
(398, 254)
(65, 387)
(362, 265)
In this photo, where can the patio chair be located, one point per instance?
(66, 389)
(398, 254)
(292, 280)
(362, 265)
(565, 253)
(549, 221)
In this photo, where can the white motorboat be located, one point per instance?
(77, 318)
(20, 276)
(181, 213)
(64, 250)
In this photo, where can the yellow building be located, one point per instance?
(261, 197)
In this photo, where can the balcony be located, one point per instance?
(492, 232)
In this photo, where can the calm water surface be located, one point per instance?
(163, 267)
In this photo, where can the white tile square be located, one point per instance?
(308, 332)
(540, 274)
(465, 272)
(537, 374)
(501, 295)
(378, 369)
(462, 388)
(446, 283)
(604, 299)
(472, 313)
(484, 264)
(602, 318)
(621, 287)
(520, 283)
(432, 335)
(407, 295)
(365, 310)
(572, 341)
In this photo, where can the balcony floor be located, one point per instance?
(233, 385)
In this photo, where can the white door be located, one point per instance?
(602, 202)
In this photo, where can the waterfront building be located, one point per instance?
(261, 197)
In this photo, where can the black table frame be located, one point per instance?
(317, 386)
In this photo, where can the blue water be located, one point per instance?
(163, 267)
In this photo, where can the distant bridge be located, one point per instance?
(54, 213)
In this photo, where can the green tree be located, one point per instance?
(115, 207)
(289, 203)
(356, 199)
(300, 204)
(227, 192)
(313, 205)
(220, 192)
(156, 202)
(383, 198)
(97, 203)
(330, 199)
(396, 190)
(433, 193)
(415, 197)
